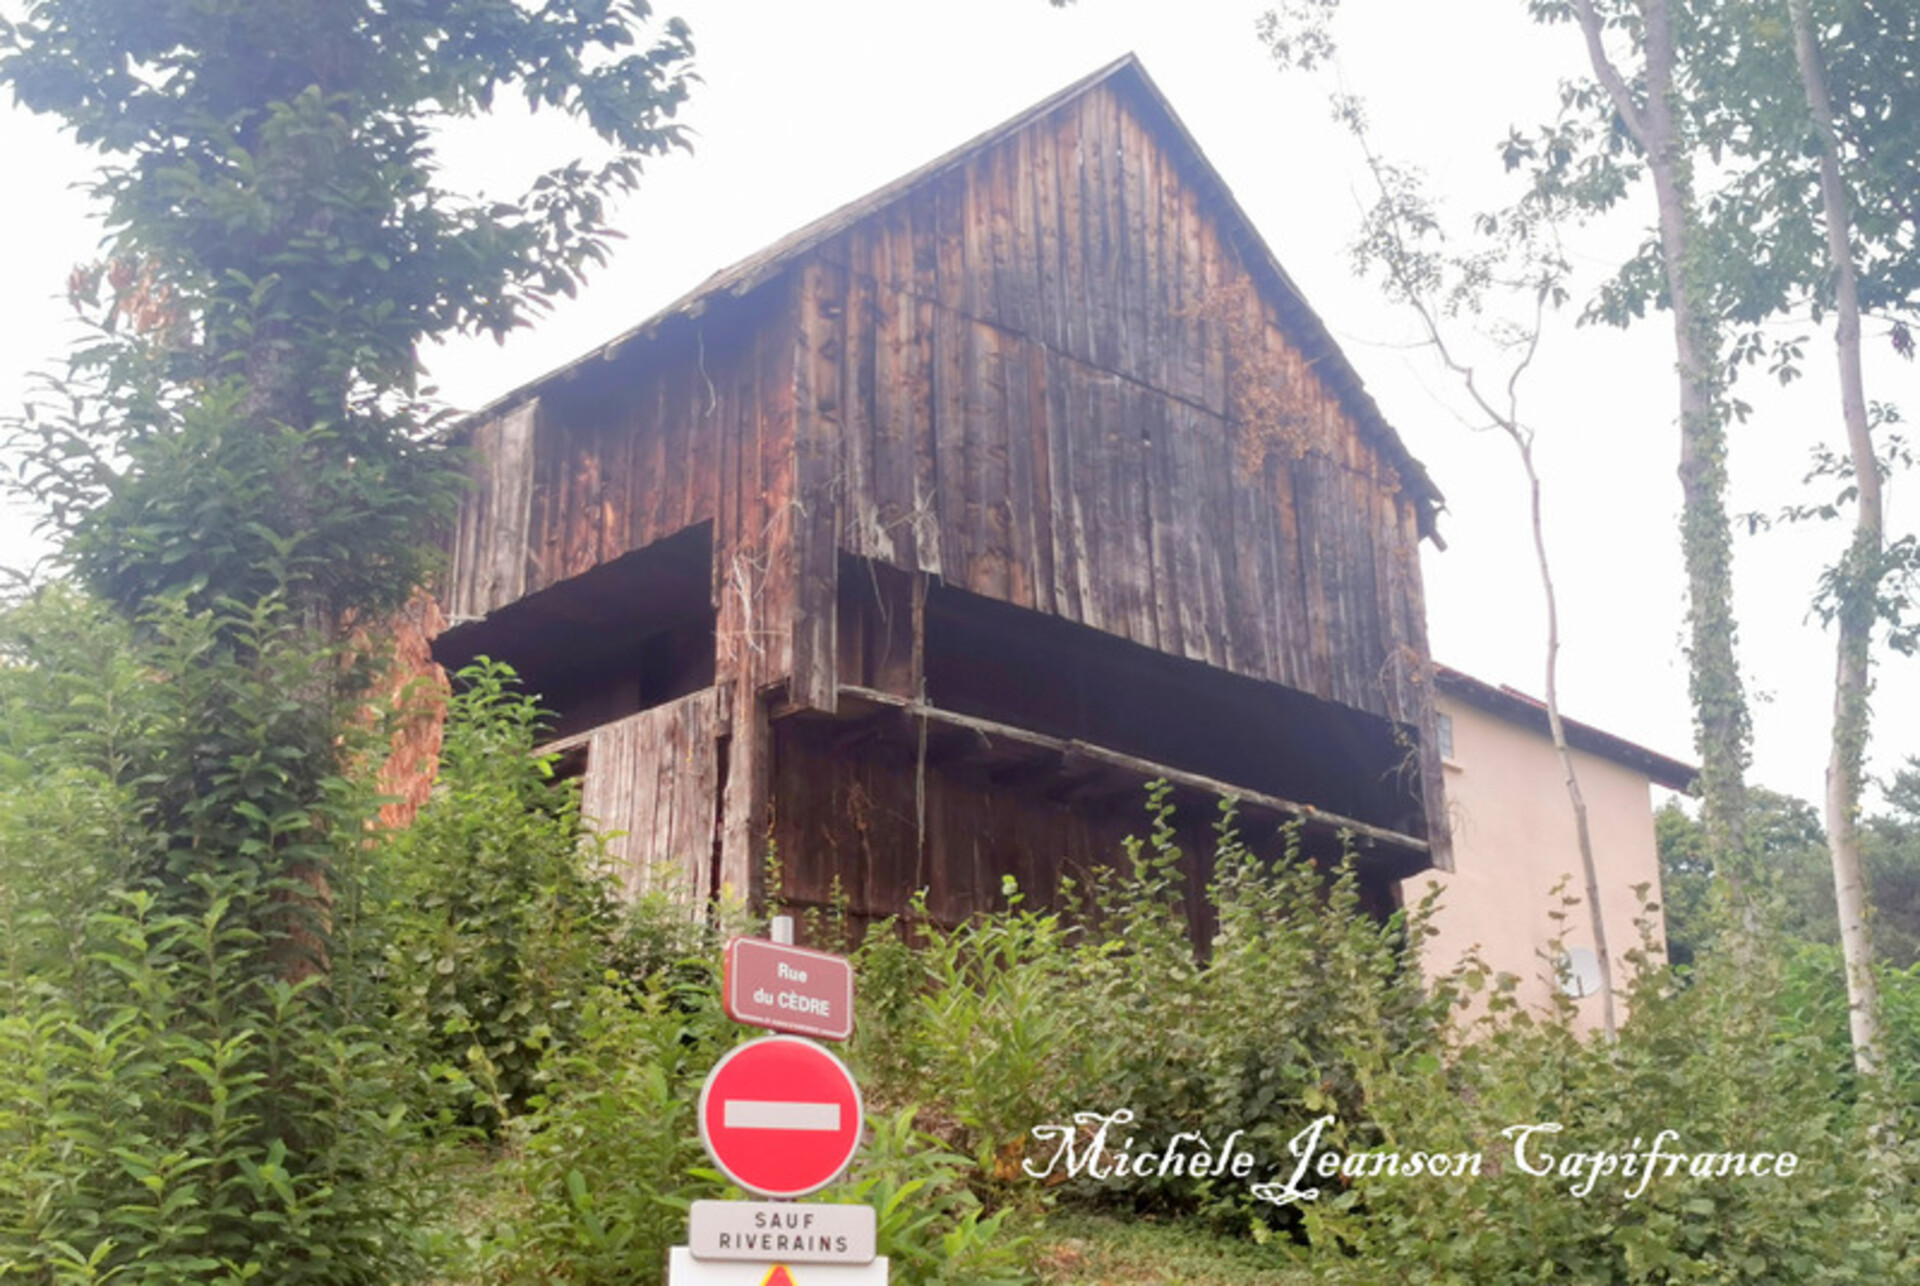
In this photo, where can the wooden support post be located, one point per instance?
(743, 803)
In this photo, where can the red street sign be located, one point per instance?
(780, 1116)
(790, 989)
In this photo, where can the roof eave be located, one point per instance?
(1515, 707)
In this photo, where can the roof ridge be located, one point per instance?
(1316, 343)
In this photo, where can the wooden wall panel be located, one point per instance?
(1044, 482)
(651, 784)
(674, 432)
(1048, 324)
(1080, 233)
(491, 563)
(862, 824)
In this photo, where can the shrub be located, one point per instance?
(930, 1225)
(1713, 1061)
(500, 910)
(1814, 1005)
(190, 1087)
(1022, 1018)
(976, 1025)
(1299, 994)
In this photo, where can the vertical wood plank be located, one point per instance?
(1017, 431)
(1070, 188)
(649, 786)
(857, 488)
(510, 507)
(894, 429)
(948, 435)
(925, 422)
(1068, 545)
(823, 448)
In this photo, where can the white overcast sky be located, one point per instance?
(806, 106)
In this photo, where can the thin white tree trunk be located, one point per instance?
(1506, 417)
(1589, 867)
(1858, 581)
(1719, 699)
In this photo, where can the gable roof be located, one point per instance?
(1530, 712)
(1124, 76)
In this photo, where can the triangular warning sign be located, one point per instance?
(778, 1277)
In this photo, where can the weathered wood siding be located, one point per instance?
(650, 785)
(1047, 373)
(695, 425)
(860, 824)
(490, 558)
(1024, 377)
(864, 825)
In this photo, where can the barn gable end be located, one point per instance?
(958, 515)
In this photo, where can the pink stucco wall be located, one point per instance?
(1513, 838)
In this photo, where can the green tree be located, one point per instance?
(1817, 219)
(1804, 114)
(1768, 226)
(1791, 863)
(1893, 870)
(243, 470)
(279, 244)
(1787, 847)
(1633, 120)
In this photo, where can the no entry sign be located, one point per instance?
(780, 1116)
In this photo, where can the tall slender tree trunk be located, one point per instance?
(1721, 728)
(1859, 577)
(1583, 833)
(1505, 415)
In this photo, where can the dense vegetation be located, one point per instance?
(203, 1077)
(504, 1088)
(489, 1014)
(247, 1033)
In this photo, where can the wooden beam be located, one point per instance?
(1145, 769)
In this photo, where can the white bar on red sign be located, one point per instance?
(749, 1114)
(780, 1116)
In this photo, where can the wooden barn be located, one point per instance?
(917, 543)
